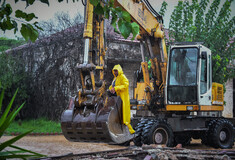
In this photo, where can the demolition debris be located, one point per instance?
(152, 152)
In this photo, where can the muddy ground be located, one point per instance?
(58, 145)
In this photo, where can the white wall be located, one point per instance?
(228, 98)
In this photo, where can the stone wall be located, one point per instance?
(51, 63)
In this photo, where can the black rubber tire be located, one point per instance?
(144, 136)
(222, 134)
(158, 132)
(207, 136)
(138, 132)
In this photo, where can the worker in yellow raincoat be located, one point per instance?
(120, 85)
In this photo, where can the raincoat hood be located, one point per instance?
(119, 68)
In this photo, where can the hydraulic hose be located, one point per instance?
(153, 11)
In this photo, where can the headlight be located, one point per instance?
(143, 102)
(134, 107)
(189, 108)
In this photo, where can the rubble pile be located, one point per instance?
(152, 152)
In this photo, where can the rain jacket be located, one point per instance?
(122, 89)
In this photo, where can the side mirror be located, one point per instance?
(204, 55)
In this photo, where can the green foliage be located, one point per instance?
(200, 22)
(13, 76)
(28, 30)
(9, 23)
(41, 125)
(135, 29)
(6, 43)
(120, 18)
(5, 120)
(163, 8)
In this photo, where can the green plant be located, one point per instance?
(13, 76)
(5, 120)
(6, 43)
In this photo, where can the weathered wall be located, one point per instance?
(228, 98)
(54, 78)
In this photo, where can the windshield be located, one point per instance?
(183, 67)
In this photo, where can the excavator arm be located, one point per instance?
(92, 115)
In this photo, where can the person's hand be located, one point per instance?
(112, 90)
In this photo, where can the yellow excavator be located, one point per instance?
(174, 99)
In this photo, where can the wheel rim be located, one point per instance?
(160, 136)
(222, 136)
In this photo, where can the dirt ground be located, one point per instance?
(57, 145)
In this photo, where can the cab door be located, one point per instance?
(205, 79)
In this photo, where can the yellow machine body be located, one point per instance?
(217, 94)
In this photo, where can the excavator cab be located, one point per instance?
(189, 73)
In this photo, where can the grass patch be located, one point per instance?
(41, 125)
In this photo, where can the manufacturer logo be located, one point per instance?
(141, 15)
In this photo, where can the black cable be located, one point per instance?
(149, 7)
(153, 11)
(84, 3)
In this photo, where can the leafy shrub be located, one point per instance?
(6, 43)
(5, 121)
(13, 76)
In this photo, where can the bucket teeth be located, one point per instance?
(86, 132)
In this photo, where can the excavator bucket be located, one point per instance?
(99, 123)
